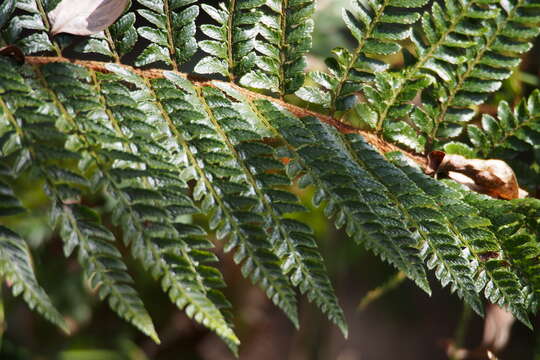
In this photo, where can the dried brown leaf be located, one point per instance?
(491, 177)
(14, 52)
(85, 17)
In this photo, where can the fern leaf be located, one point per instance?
(72, 85)
(511, 131)
(500, 284)
(508, 136)
(447, 33)
(172, 32)
(79, 227)
(16, 267)
(220, 46)
(352, 193)
(6, 10)
(103, 264)
(168, 160)
(29, 16)
(447, 49)
(377, 26)
(233, 43)
(493, 58)
(292, 240)
(167, 148)
(443, 247)
(16, 263)
(151, 201)
(227, 196)
(285, 30)
(10, 204)
(517, 223)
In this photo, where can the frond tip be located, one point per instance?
(16, 267)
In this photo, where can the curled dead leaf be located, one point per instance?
(14, 52)
(491, 177)
(85, 17)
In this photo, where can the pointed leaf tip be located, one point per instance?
(344, 330)
(85, 17)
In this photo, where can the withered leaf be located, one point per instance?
(491, 177)
(14, 52)
(85, 17)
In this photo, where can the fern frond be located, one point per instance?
(259, 43)
(123, 35)
(517, 223)
(508, 136)
(166, 148)
(500, 284)
(103, 265)
(493, 58)
(16, 267)
(226, 194)
(443, 247)
(292, 240)
(6, 10)
(447, 32)
(10, 204)
(233, 42)
(448, 48)
(285, 30)
(33, 18)
(149, 194)
(15, 261)
(220, 46)
(171, 34)
(353, 195)
(377, 26)
(79, 226)
(511, 131)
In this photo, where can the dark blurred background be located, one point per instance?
(403, 324)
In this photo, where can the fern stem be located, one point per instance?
(45, 19)
(381, 290)
(282, 47)
(230, 54)
(110, 40)
(460, 334)
(371, 138)
(170, 39)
